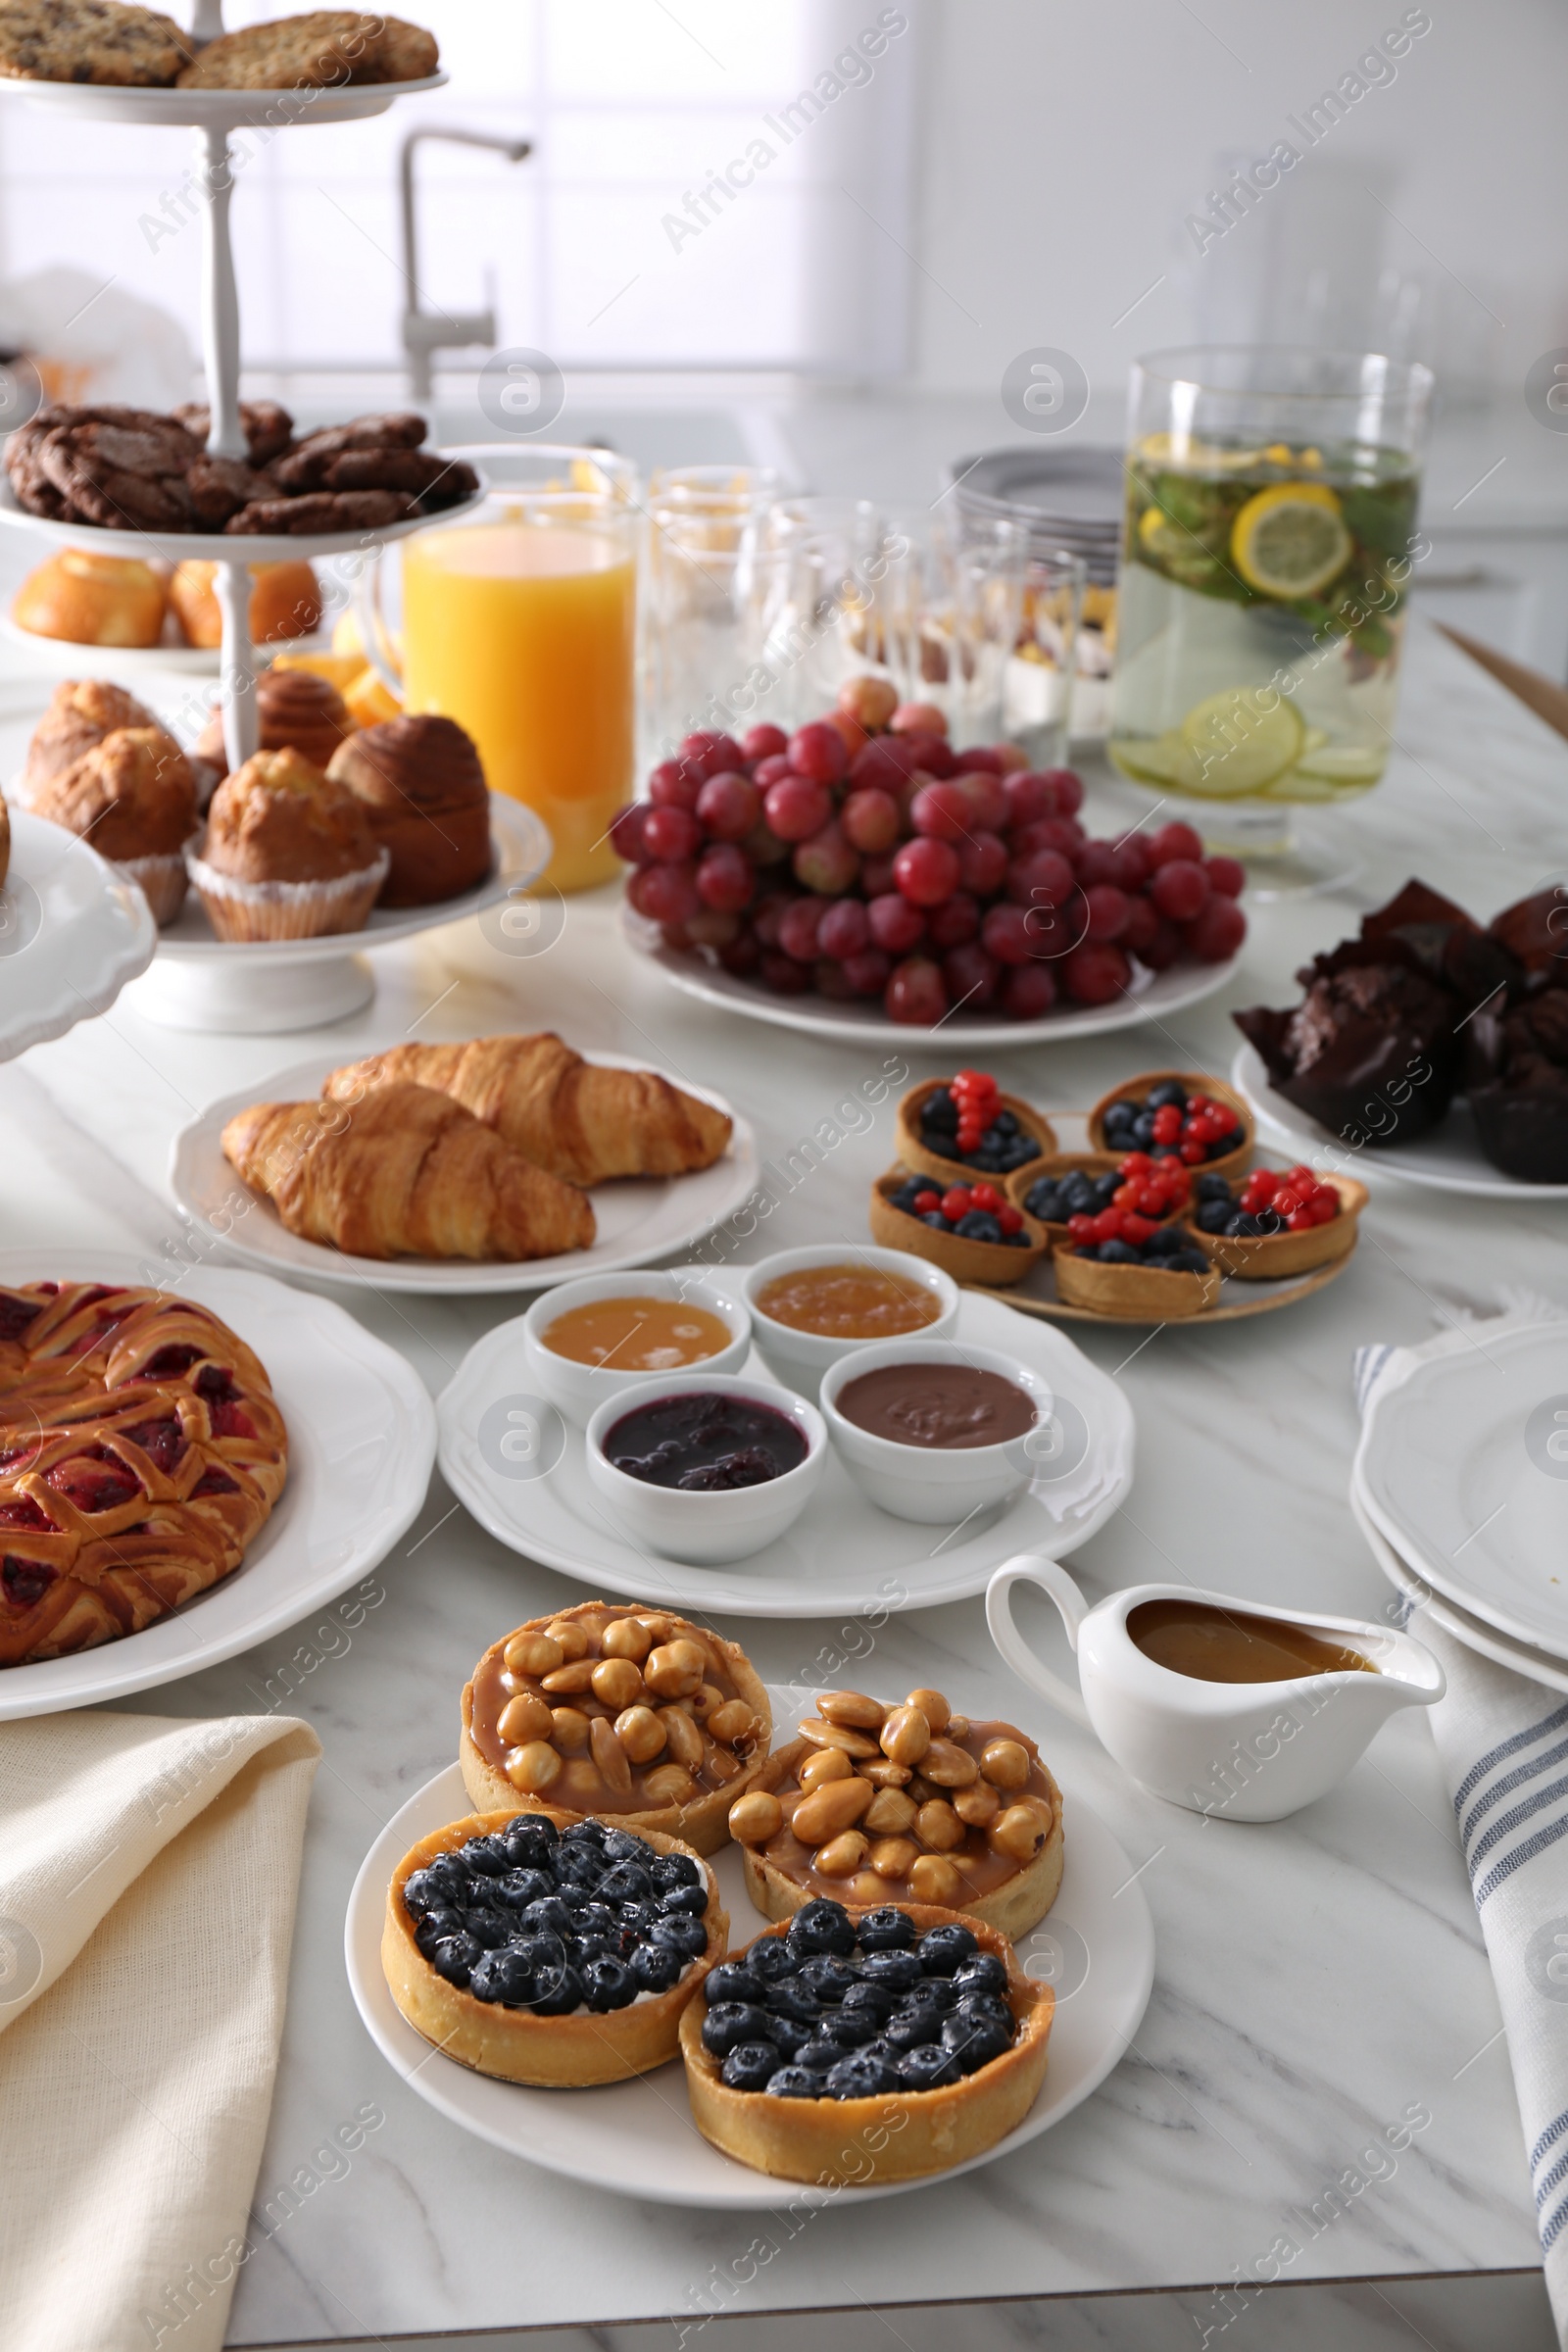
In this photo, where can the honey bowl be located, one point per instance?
(589, 1340)
(812, 1306)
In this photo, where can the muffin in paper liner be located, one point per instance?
(163, 880)
(264, 910)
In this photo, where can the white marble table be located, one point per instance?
(1315, 1980)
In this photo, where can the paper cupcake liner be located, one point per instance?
(162, 879)
(263, 911)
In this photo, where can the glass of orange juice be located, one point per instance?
(519, 623)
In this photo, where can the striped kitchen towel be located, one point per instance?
(1502, 1741)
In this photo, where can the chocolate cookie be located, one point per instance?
(324, 510)
(328, 47)
(123, 469)
(305, 468)
(90, 40)
(219, 487)
(268, 426)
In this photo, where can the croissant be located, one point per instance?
(579, 1121)
(405, 1173)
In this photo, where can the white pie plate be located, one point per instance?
(1161, 995)
(1095, 1945)
(1449, 1159)
(1483, 1640)
(73, 932)
(843, 1556)
(1452, 1470)
(640, 1218)
(361, 1440)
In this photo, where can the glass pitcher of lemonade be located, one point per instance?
(520, 623)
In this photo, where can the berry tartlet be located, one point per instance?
(1176, 1114)
(1121, 1263)
(544, 1948)
(1276, 1222)
(972, 1231)
(901, 1803)
(631, 1713)
(965, 1126)
(865, 2045)
(1087, 1183)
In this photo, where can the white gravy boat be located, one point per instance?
(1247, 1752)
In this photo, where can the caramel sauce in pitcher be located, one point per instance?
(1226, 1646)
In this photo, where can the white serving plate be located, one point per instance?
(130, 665)
(1447, 1161)
(71, 933)
(1160, 995)
(843, 1556)
(362, 1443)
(210, 547)
(1485, 1640)
(639, 1218)
(638, 2139)
(216, 109)
(1453, 1472)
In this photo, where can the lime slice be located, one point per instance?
(1162, 760)
(1347, 765)
(1291, 540)
(1238, 744)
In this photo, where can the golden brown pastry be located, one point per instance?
(422, 787)
(318, 50)
(504, 2011)
(582, 1122)
(279, 819)
(140, 1452)
(285, 602)
(81, 712)
(628, 1712)
(86, 598)
(131, 796)
(406, 1173)
(295, 710)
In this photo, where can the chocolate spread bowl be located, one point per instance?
(934, 1471)
(706, 1529)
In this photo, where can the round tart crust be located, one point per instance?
(898, 2135)
(1018, 1904)
(704, 1822)
(554, 2052)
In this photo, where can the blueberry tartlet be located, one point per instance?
(964, 1125)
(1121, 1263)
(631, 1713)
(865, 2045)
(909, 1802)
(1176, 1114)
(1276, 1222)
(548, 1949)
(972, 1238)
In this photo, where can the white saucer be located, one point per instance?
(640, 1218)
(1095, 1945)
(73, 932)
(843, 1558)
(1463, 1468)
(1483, 1640)
(360, 1441)
(1160, 995)
(1449, 1159)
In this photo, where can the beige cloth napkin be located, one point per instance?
(148, 1874)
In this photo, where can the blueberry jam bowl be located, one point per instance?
(705, 1469)
(865, 2046)
(548, 1947)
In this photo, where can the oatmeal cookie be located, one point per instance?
(408, 54)
(328, 47)
(90, 40)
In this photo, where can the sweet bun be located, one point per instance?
(285, 602)
(422, 788)
(81, 713)
(279, 819)
(87, 598)
(295, 711)
(134, 797)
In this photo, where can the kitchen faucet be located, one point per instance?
(426, 332)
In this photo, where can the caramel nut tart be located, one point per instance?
(1163, 1110)
(995, 1264)
(549, 1949)
(880, 1803)
(865, 2045)
(634, 1714)
(1147, 1292)
(1011, 1133)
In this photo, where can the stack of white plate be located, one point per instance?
(1461, 1485)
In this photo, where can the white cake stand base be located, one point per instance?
(252, 997)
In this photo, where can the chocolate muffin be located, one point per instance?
(1371, 1052)
(422, 788)
(1516, 1075)
(295, 711)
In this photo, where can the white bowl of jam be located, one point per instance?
(705, 1469)
(811, 1307)
(596, 1338)
(936, 1432)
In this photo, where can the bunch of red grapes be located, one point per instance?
(863, 857)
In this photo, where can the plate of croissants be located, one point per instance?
(505, 1163)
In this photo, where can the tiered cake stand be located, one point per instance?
(219, 986)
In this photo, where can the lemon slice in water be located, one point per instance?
(1240, 742)
(1291, 540)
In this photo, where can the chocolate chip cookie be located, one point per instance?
(90, 40)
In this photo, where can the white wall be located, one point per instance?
(1066, 140)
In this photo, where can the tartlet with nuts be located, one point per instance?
(908, 1803)
(632, 1714)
